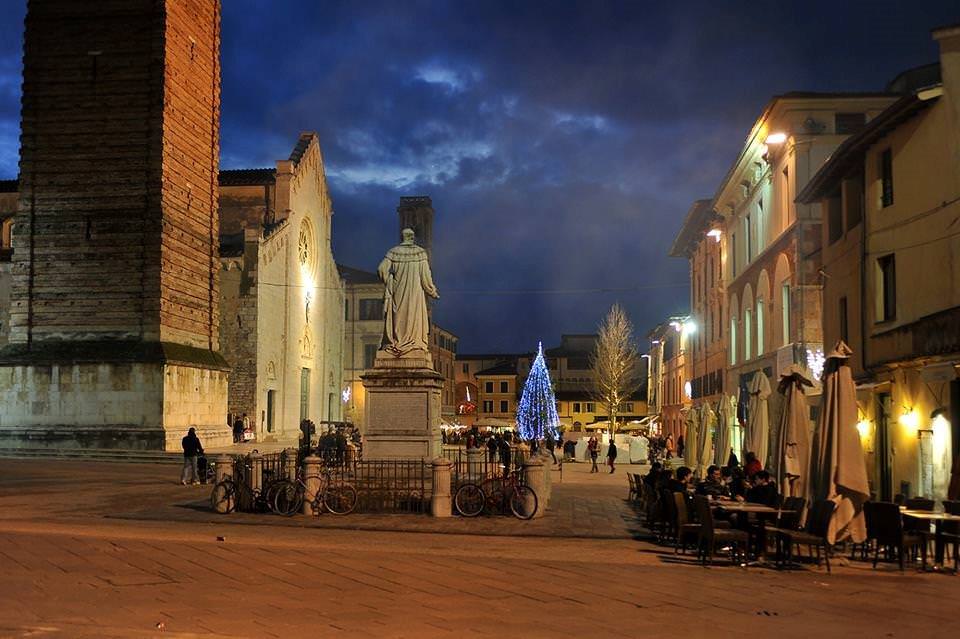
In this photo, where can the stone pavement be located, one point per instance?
(69, 571)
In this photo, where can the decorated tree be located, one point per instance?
(537, 412)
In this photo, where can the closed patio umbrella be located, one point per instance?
(838, 471)
(758, 421)
(708, 423)
(690, 450)
(791, 457)
(726, 420)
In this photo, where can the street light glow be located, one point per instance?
(776, 138)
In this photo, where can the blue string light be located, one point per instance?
(537, 412)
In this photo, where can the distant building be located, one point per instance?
(890, 197)
(669, 382)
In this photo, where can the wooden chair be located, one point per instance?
(813, 536)
(685, 529)
(891, 536)
(710, 534)
(632, 494)
(668, 520)
(919, 526)
(951, 530)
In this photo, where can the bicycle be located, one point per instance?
(337, 497)
(230, 492)
(496, 495)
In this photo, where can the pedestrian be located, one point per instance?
(612, 455)
(680, 446)
(493, 445)
(593, 447)
(505, 455)
(237, 430)
(191, 450)
(669, 446)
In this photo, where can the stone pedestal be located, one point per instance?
(475, 464)
(403, 410)
(440, 502)
(311, 480)
(533, 474)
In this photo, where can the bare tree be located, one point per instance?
(615, 363)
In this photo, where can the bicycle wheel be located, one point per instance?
(270, 493)
(469, 500)
(523, 502)
(287, 498)
(340, 499)
(223, 497)
(493, 496)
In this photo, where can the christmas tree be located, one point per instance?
(537, 413)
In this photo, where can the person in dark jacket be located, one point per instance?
(493, 445)
(682, 482)
(237, 430)
(764, 490)
(612, 456)
(505, 455)
(191, 450)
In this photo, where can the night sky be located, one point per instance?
(562, 143)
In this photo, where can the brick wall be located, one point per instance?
(118, 193)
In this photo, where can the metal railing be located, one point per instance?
(388, 485)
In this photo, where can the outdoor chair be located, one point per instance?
(870, 519)
(951, 530)
(685, 529)
(638, 483)
(813, 536)
(710, 535)
(919, 526)
(632, 493)
(668, 522)
(891, 536)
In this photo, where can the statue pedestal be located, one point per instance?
(403, 411)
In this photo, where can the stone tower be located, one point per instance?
(416, 212)
(114, 319)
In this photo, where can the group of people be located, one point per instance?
(593, 447)
(742, 483)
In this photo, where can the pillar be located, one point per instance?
(311, 479)
(533, 473)
(440, 502)
(475, 463)
(290, 463)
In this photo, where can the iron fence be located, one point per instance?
(488, 465)
(388, 485)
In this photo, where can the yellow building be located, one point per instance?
(891, 275)
(669, 381)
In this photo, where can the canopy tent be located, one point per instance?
(838, 471)
(492, 422)
(758, 420)
(690, 452)
(726, 422)
(791, 457)
(708, 422)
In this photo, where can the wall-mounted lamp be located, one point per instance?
(909, 419)
(776, 138)
(715, 234)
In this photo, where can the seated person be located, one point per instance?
(733, 478)
(713, 485)
(681, 484)
(764, 490)
(650, 479)
(752, 466)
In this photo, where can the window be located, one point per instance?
(761, 227)
(304, 394)
(733, 254)
(787, 200)
(466, 369)
(853, 200)
(846, 123)
(747, 334)
(785, 305)
(271, 408)
(843, 319)
(504, 387)
(488, 387)
(886, 288)
(733, 340)
(749, 240)
(886, 178)
(834, 218)
(369, 355)
(760, 335)
(576, 407)
(504, 406)
(488, 406)
(371, 309)
(590, 407)
(346, 310)
(628, 407)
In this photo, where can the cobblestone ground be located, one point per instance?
(79, 558)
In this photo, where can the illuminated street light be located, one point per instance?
(776, 138)
(690, 326)
(715, 234)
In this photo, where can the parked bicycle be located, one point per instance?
(230, 492)
(496, 495)
(335, 496)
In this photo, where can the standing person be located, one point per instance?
(593, 446)
(612, 455)
(237, 430)
(505, 455)
(680, 446)
(669, 446)
(246, 427)
(191, 450)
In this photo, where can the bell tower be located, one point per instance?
(416, 212)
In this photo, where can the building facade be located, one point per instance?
(670, 377)
(281, 295)
(891, 278)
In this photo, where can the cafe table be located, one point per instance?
(761, 510)
(937, 518)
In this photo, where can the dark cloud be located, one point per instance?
(562, 142)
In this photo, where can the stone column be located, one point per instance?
(290, 463)
(223, 467)
(475, 463)
(547, 481)
(440, 505)
(253, 476)
(533, 473)
(311, 479)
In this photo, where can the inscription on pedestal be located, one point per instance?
(398, 411)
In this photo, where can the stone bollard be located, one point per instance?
(547, 480)
(533, 473)
(290, 463)
(253, 475)
(475, 464)
(440, 503)
(311, 479)
(223, 467)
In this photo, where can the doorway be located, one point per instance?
(304, 394)
(884, 412)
